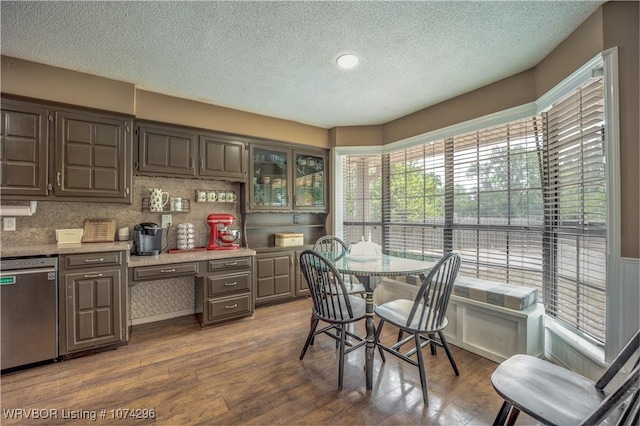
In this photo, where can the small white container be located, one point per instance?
(123, 234)
(69, 236)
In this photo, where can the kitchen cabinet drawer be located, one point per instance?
(85, 260)
(232, 263)
(146, 273)
(220, 284)
(223, 308)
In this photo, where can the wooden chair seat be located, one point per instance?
(555, 395)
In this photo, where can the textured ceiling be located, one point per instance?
(278, 58)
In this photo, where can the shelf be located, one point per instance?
(296, 225)
(186, 207)
(269, 249)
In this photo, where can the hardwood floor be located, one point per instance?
(248, 372)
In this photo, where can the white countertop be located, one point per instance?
(164, 258)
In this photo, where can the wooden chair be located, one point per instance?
(555, 395)
(334, 248)
(422, 318)
(337, 308)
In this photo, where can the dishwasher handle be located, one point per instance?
(8, 273)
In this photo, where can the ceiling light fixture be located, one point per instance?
(347, 61)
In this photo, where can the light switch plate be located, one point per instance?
(166, 220)
(9, 224)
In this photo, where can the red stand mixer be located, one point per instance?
(221, 237)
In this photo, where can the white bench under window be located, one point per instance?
(492, 319)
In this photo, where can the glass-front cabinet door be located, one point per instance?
(310, 192)
(270, 170)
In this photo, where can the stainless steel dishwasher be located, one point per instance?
(29, 303)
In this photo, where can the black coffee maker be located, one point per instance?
(147, 239)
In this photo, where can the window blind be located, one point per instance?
(415, 207)
(575, 210)
(497, 202)
(362, 197)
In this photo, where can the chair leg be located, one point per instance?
(400, 334)
(312, 331)
(513, 416)
(502, 414)
(312, 327)
(421, 369)
(445, 345)
(377, 339)
(432, 343)
(343, 333)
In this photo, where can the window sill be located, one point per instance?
(590, 351)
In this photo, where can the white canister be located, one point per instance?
(123, 234)
(175, 204)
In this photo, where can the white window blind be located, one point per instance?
(575, 210)
(415, 206)
(362, 197)
(497, 206)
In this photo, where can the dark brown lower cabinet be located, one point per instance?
(225, 291)
(93, 302)
(275, 276)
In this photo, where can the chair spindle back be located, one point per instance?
(324, 280)
(433, 297)
(331, 247)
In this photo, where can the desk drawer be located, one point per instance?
(230, 263)
(84, 260)
(234, 306)
(145, 273)
(220, 284)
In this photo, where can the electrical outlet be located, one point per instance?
(9, 223)
(296, 219)
(166, 220)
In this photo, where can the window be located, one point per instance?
(524, 202)
(576, 210)
(362, 197)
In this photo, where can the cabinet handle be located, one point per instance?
(231, 284)
(231, 306)
(92, 275)
(59, 178)
(201, 163)
(94, 260)
(231, 264)
(164, 271)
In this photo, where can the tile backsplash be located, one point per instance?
(51, 215)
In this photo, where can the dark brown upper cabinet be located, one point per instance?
(165, 150)
(92, 153)
(221, 158)
(23, 149)
(286, 178)
(52, 152)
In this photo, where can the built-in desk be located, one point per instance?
(223, 280)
